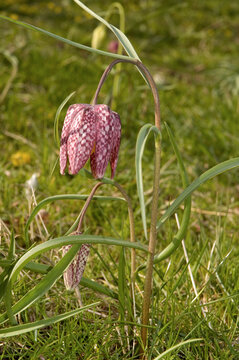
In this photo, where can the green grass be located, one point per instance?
(191, 49)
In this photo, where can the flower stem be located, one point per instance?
(154, 209)
(148, 76)
(152, 243)
(85, 207)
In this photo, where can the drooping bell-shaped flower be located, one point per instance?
(90, 132)
(73, 274)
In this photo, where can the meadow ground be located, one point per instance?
(191, 48)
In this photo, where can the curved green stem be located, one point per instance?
(152, 243)
(148, 76)
(85, 207)
(154, 209)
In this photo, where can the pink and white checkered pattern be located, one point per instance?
(116, 143)
(90, 131)
(73, 274)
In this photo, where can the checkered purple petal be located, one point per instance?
(105, 129)
(81, 138)
(115, 143)
(71, 113)
(64, 137)
(73, 274)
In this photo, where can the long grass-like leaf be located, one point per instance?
(44, 285)
(11, 252)
(50, 199)
(124, 41)
(168, 351)
(70, 240)
(187, 210)
(119, 34)
(140, 144)
(14, 62)
(24, 328)
(56, 122)
(62, 39)
(207, 175)
(187, 206)
(57, 271)
(44, 269)
(40, 289)
(93, 285)
(121, 283)
(4, 276)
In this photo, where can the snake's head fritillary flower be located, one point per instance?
(90, 132)
(73, 274)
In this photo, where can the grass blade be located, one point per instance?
(50, 199)
(187, 209)
(45, 284)
(57, 271)
(56, 122)
(24, 328)
(4, 276)
(121, 283)
(70, 240)
(207, 175)
(187, 206)
(93, 285)
(161, 356)
(12, 247)
(119, 34)
(140, 145)
(60, 38)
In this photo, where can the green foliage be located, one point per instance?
(192, 51)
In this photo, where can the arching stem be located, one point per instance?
(85, 207)
(148, 76)
(154, 209)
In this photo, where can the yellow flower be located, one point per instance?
(20, 158)
(14, 16)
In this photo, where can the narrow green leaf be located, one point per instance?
(14, 62)
(56, 272)
(140, 144)
(119, 34)
(38, 267)
(11, 252)
(5, 263)
(50, 199)
(187, 210)
(40, 289)
(93, 285)
(35, 267)
(4, 276)
(60, 38)
(24, 328)
(70, 240)
(162, 356)
(121, 283)
(56, 122)
(44, 285)
(207, 175)
(187, 206)
(44, 269)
